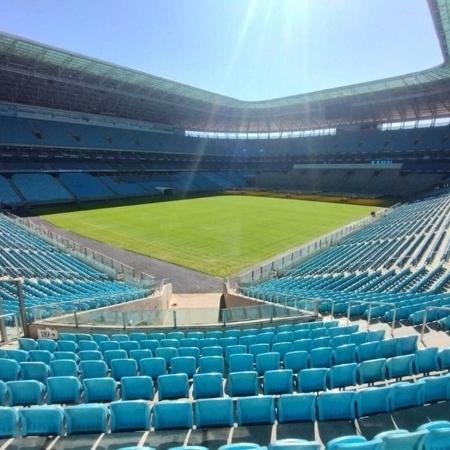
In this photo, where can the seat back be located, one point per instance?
(217, 412)
(130, 415)
(336, 405)
(173, 386)
(242, 384)
(172, 415)
(63, 390)
(84, 419)
(99, 390)
(255, 410)
(42, 421)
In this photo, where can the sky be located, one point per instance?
(246, 49)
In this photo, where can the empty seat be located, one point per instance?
(18, 355)
(67, 337)
(99, 338)
(172, 415)
(128, 346)
(93, 369)
(312, 380)
(63, 368)
(444, 358)
(372, 370)
(406, 395)
(213, 334)
(426, 360)
(207, 385)
(242, 384)
(138, 337)
(232, 333)
(167, 353)
(277, 382)
(91, 355)
(139, 354)
(256, 349)
(184, 364)
(189, 342)
(2, 392)
(109, 345)
(336, 405)
(302, 345)
(119, 337)
(33, 370)
(130, 415)
(294, 444)
(284, 336)
(150, 344)
(87, 345)
(296, 408)
(8, 422)
(156, 336)
(25, 393)
(342, 375)
(67, 346)
(137, 388)
(388, 348)
(344, 354)
(175, 335)
(189, 351)
(324, 341)
(65, 355)
(402, 439)
(195, 334)
(47, 344)
(217, 412)
(339, 341)
(209, 364)
(40, 356)
(267, 361)
(169, 343)
(208, 342)
(85, 419)
(373, 401)
(367, 351)
(63, 390)
(42, 421)
(83, 337)
(28, 344)
(296, 361)
(406, 345)
(321, 357)
(240, 362)
(255, 410)
(110, 355)
(100, 390)
(436, 388)
(225, 342)
(9, 369)
(399, 366)
(354, 443)
(212, 351)
(173, 386)
(123, 368)
(438, 435)
(282, 348)
(153, 367)
(234, 349)
(301, 334)
(375, 335)
(358, 338)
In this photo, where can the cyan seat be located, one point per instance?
(173, 386)
(208, 342)
(214, 350)
(83, 337)
(156, 336)
(153, 367)
(197, 334)
(312, 380)
(190, 342)
(25, 392)
(184, 364)
(27, 344)
(129, 415)
(247, 340)
(282, 348)
(67, 337)
(294, 444)
(318, 333)
(42, 421)
(354, 443)
(172, 415)
(388, 348)
(93, 369)
(137, 388)
(87, 345)
(67, 346)
(406, 395)
(209, 364)
(8, 422)
(150, 344)
(110, 355)
(321, 357)
(41, 356)
(436, 388)
(373, 400)
(232, 333)
(301, 334)
(321, 342)
(216, 412)
(99, 338)
(175, 335)
(225, 342)
(339, 341)
(336, 405)
(99, 390)
(47, 344)
(18, 355)
(256, 349)
(129, 346)
(402, 439)
(240, 362)
(2, 392)
(91, 355)
(207, 385)
(342, 375)
(139, 354)
(119, 337)
(344, 354)
(255, 410)
(375, 335)
(86, 419)
(63, 368)
(406, 345)
(138, 337)
(358, 338)
(399, 366)
(277, 382)
(169, 343)
(368, 351)
(249, 332)
(213, 334)
(234, 350)
(296, 408)
(296, 360)
(444, 358)
(63, 390)
(9, 369)
(123, 368)
(372, 371)
(284, 336)
(426, 360)
(109, 345)
(267, 361)
(65, 355)
(167, 353)
(190, 351)
(242, 384)
(33, 370)
(438, 435)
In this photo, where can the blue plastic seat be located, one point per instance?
(277, 382)
(99, 390)
(47, 344)
(150, 344)
(84, 337)
(297, 408)
(339, 341)
(235, 350)
(123, 368)
(138, 337)
(241, 446)
(63, 367)
(33, 370)
(153, 367)
(156, 336)
(436, 388)
(87, 345)
(167, 353)
(336, 405)
(438, 436)
(99, 338)
(207, 385)
(67, 337)
(91, 355)
(402, 439)
(169, 343)
(426, 360)
(296, 360)
(110, 355)
(139, 354)
(129, 346)
(172, 415)
(209, 364)
(399, 366)
(119, 337)
(109, 345)
(2, 392)
(256, 349)
(406, 395)
(242, 384)
(267, 361)
(406, 345)
(255, 410)
(175, 335)
(368, 351)
(173, 386)
(28, 344)
(344, 354)
(317, 333)
(354, 443)
(130, 415)
(372, 371)
(63, 390)
(208, 342)
(444, 358)
(225, 342)
(18, 355)
(321, 342)
(232, 333)
(9, 369)
(247, 340)
(195, 334)
(67, 346)
(373, 400)
(189, 342)
(184, 364)
(190, 351)
(213, 334)
(8, 422)
(312, 380)
(375, 335)
(216, 412)
(294, 444)
(42, 421)
(240, 362)
(358, 338)
(25, 393)
(321, 357)
(137, 388)
(301, 334)
(388, 348)
(93, 369)
(265, 338)
(214, 350)
(86, 419)
(284, 336)
(282, 348)
(65, 355)
(342, 375)
(40, 356)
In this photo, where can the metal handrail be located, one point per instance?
(424, 322)
(369, 315)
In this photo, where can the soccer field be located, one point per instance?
(217, 235)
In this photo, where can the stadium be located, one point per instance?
(183, 269)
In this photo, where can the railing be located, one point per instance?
(425, 317)
(369, 314)
(7, 323)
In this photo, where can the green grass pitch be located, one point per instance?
(218, 235)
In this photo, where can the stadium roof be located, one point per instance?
(41, 75)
